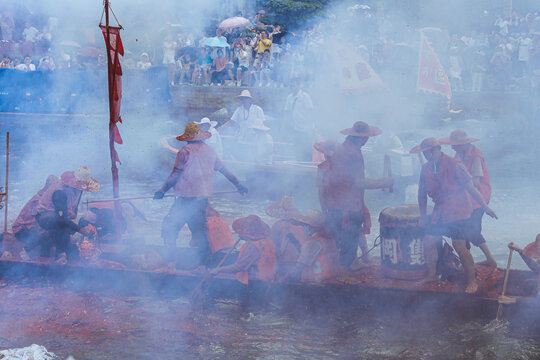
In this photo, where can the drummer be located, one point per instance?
(475, 163)
(327, 148)
(343, 187)
(449, 185)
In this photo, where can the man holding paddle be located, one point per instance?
(192, 178)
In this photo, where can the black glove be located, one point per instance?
(158, 195)
(242, 189)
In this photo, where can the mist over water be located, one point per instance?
(48, 144)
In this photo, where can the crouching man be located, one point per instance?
(47, 220)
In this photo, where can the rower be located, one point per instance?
(47, 219)
(257, 258)
(318, 258)
(449, 185)
(220, 237)
(327, 148)
(530, 255)
(241, 123)
(343, 187)
(192, 178)
(215, 140)
(289, 233)
(475, 163)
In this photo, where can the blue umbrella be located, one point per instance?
(214, 42)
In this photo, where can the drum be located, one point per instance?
(402, 248)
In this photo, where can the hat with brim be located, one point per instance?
(80, 179)
(360, 128)
(533, 249)
(251, 228)
(193, 133)
(457, 137)
(284, 209)
(326, 147)
(245, 94)
(426, 144)
(314, 219)
(206, 120)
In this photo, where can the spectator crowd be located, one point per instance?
(504, 57)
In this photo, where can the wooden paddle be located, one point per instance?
(151, 197)
(197, 293)
(503, 299)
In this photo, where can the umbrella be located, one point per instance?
(214, 42)
(233, 22)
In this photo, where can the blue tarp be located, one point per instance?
(83, 91)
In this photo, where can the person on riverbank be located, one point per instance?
(257, 258)
(192, 178)
(47, 219)
(343, 187)
(448, 183)
(474, 161)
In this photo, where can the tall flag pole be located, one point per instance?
(114, 46)
(431, 75)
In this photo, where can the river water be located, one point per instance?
(109, 325)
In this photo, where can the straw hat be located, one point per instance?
(193, 133)
(315, 218)
(80, 179)
(426, 144)
(326, 147)
(457, 137)
(245, 94)
(360, 128)
(206, 120)
(533, 249)
(284, 209)
(251, 228)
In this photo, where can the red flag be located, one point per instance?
(114, 48)
(431, 75)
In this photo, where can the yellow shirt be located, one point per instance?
(263, 45)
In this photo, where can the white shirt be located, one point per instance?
(299, 106)
(30, 34)
(245, 118)
(215, 142)
(525, 46)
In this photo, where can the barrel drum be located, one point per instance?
(402, 247)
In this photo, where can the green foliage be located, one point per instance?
(291, 13)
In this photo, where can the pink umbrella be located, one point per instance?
(233, 22)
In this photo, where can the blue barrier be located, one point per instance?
(82, 91)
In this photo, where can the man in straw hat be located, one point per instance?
(475, 163)
(450, 186)
(344, 186)
(257, 258)
(289, 233)
(245, 115)
(327, 148)
(47, 219)
(215, 140)
(192, 178)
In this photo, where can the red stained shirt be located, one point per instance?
(340, 191)
(193, 172)
(445, 184)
